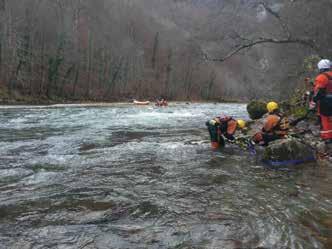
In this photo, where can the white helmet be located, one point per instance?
(324, 64)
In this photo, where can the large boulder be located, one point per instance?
(256, 109)
(288, 151)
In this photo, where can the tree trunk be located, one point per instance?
(155, 50)
(113, 78)
(168, 72)
(75, 81)
(89, 65)
(42, 69)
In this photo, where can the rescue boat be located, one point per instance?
(141, 102)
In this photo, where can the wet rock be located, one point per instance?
(320, 147)
(146, 208)
(305, 128)
(87, 147)
(219, 179)
(46, 167)
(288, 150)
(256, 109)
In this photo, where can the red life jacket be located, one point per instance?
(329, 85)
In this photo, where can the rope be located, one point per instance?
(289, 162)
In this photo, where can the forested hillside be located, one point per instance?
(183, 49)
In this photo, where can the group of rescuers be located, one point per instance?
(276, 125)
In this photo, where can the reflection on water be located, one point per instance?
(121, 176)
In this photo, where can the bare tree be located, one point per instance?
(115, 49)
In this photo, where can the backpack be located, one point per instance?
(283, 125)
(224, 122)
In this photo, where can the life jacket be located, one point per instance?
(325, 103)
(329, 85)
(282, 126)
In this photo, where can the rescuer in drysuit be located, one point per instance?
(221, 128)
(323, 98)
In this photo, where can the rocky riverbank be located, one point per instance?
(303, 143)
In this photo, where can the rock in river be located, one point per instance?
(256, 109)
(288, 151)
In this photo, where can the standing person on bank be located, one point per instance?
(323, 98)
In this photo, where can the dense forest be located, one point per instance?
(112, 50)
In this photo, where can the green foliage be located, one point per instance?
(299, 111)
(285, 107)
(256, 109)
(310, 63)
(296, 106)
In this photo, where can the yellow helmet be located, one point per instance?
(241, 123)
(272, 106)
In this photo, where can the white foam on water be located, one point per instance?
(23, 106)
(6, 174)
(43, 177)
(18, 120)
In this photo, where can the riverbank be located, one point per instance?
(48, 102)
(16, 98)
(303, 137)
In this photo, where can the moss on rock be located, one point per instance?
(287, 150)
(256, 109)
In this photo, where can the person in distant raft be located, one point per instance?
(323, 98)
(161, 102)
(275, 127)
(223, 127)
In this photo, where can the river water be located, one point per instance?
(121, 176)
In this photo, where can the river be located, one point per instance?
(122, 176)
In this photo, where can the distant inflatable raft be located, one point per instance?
(141, 102)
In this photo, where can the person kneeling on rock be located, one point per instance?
(275, 127)
(221, 128)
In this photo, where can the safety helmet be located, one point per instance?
(241, 123)
(272, 106)
(324, 64)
